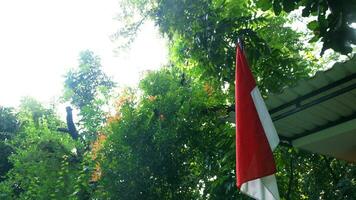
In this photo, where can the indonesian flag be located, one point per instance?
(256, 137)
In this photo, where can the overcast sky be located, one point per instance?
(41, 39)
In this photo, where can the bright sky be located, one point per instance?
(41, 39)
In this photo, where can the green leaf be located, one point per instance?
(288, 5)
(277, 7)
(313, 25)
(264, 4)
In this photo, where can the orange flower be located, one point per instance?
(208, 89)
(96, 146)
(152, 98)
(114, 118)
(96, 175)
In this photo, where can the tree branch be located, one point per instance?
(70, 124)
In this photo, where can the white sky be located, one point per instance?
(41, 39)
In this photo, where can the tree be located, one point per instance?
(37, 154)
(42, 167)
(333, 23)
(45, 163)
(8, 127)
(166, 146)
(88, 89)
(202, 37)
(32, 110)
(9, 123)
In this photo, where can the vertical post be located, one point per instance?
(240, 42)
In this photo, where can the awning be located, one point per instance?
(319, 113)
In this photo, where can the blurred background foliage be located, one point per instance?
(170, 138)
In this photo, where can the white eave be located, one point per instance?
(319, 113)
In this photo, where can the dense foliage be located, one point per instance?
(165, 144)
(171, 138)
(8, 128)
(203, 36)
(38, 162)
(332, 24)
(38, 152)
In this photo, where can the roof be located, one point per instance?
(319, 113)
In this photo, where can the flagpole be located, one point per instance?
(240, 42)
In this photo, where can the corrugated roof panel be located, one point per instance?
(282, 100)
(334, 76)
(321, 113)
(283, 128)
(325, 103)
(318, 81)
(316, 117)
(303, 88)
(323, 78)
(353, 92)
(347, 69)
(271, 104)
(286, 124)
(287, 96)
(330, 110)
(327, 117)
(338, 108)
(347, 109)
(290, 95)
(303, 119)
(326, 113)
(308, 117)
(275, 102)
(349, 100)
(294, 123)
(350, 66)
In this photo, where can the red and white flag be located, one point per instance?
(256, 137)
